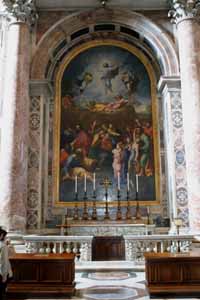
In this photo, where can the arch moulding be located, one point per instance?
(163, 46)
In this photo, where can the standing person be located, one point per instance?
(5, 267)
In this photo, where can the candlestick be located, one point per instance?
(128, 182)
(94, 181)
(119, 212)
(75, 216)
(148, 215)
(138, 215)
(118, 181)
(136, 183)
(76, 184)
(128, 211)
(94, 210)
(85, 183)
(85, 211)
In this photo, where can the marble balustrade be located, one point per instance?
(135, 245)
(80, 245)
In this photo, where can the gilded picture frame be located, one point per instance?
(126, 83)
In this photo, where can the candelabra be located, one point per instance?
(75, 217)
(119, 212)
(85, 211)
(128, 209)
(94, 210)
(138, 215)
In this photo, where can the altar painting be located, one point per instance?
(106, 125)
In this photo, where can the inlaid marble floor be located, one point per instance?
(109, 281)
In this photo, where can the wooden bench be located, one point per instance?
(42, 275)
(168, 273)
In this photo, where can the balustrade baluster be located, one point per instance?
(68, 247)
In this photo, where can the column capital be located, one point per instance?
(184, 9)
(22, 10)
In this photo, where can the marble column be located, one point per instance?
(14, 139)
(184, 15)
(170, 90)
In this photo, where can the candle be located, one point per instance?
(136, 183)
(128, 182)
(76, 184)
(85, 183)
(94, 181)
(118, 181)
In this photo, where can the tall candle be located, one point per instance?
(76, 184)
(94, 181)
(128, 182)
(118, 181)
(85, 183)
(136, 183)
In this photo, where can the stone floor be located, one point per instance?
(111, 281)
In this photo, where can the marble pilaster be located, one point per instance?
(185, 16)
(170, 90)
(40, 95)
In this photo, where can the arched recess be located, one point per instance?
(78, 28)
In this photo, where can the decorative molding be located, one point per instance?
(184, 9)
(22, 10)
(41, 87)
(33, 201)
(170, 89)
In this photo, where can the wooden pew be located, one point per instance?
(170, 273)
(42, 275)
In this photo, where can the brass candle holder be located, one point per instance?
(128, 209)
(85, 210)
(75, 216)
(138, 215)
(148, 216)
(94, 210)
(119, 212)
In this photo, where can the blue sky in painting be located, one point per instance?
(92, 61)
